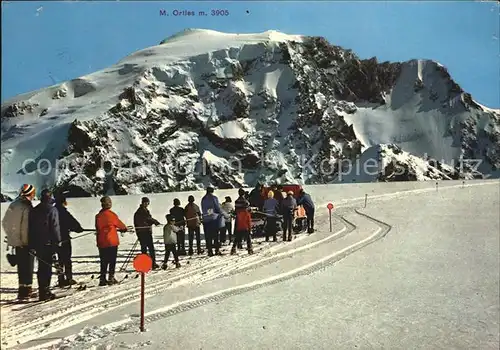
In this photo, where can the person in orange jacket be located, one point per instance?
(107, 225)
(243, 228)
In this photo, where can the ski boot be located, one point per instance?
(156, 266)
(289, 238)
(22, 293)
(190, 253)
(233, 251)
(177, 265)
(44, 295)
(200, 251)
(112, 280)
(63, 282)
(103, 282)
(210, 253)
(30, 292)
(250, 251)
(164, 266)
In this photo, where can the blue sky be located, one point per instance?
(65, 40)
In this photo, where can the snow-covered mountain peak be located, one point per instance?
(256, 106)
(211, 35)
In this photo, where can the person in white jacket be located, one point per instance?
(15, 226)
(228, 212)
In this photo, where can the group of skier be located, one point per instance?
(43, 231)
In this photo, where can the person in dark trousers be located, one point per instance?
(170, 241)
(143, 222)
(44, 240)
(107, 225)
(193, 221)
(227, 212)
(271, 210)
(278, 195)
(306, 201)
(241, 203)
(288, 208)
(67, 224)
(243, 228)
(179, 215)
(16, 227)
(211, 211)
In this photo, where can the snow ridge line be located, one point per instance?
(308, 269)
(87, 311)
(349, 202)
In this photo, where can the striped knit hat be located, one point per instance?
(27, 190)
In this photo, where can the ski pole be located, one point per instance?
(85, 234)
(129, 256)
(57, 267)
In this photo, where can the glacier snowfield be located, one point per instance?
(417, 268)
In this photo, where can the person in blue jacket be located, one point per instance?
(306, 201)
(211, 212)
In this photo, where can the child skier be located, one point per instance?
(243, 227)
(170, 241)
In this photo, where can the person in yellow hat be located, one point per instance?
(271, 210)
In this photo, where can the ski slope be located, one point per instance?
(417, 268)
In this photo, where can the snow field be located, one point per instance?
(68, 315)
(432, 282)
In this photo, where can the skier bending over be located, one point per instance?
(107, 224)
(306, 201)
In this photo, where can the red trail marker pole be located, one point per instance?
(143, 264)
(142, 300)
(330, 207)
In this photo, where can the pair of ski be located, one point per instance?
(65, 292)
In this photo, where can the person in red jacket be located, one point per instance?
(243, 228)
(107, 225)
